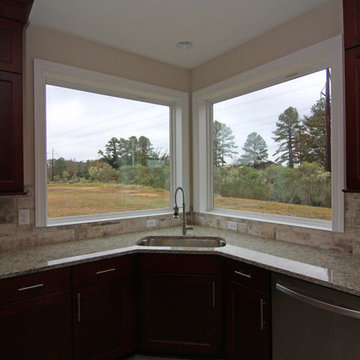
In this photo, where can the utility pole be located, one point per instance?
(327, 123)
(52, 165)
(133, 152)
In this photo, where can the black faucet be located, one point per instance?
(176, 210)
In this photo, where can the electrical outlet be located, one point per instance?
(24, 217)
(150, 223)
(232, 225)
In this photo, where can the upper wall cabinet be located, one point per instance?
(13, 17)
(11, 45)
(352, 92)
(351, 23)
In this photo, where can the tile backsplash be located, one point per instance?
(13, 236)
(348, 242)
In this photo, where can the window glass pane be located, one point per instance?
(272, 149)
(105, 154)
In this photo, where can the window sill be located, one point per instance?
(314, 224)
(83, 219)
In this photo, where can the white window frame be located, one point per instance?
(46, 72)
(328, 53)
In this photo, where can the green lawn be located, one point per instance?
(97, 198)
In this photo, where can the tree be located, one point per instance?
(311, 142)
(145, 151)
(224, 145)
(127, 152)
(286, 133)
(256, 151)
(112, 153)
(59, 167)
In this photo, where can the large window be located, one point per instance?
(106, 148)
(270, 141)
(105, 154)
(272, 149)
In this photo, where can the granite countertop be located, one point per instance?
(324, 267)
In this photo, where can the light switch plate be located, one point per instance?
(24, 217)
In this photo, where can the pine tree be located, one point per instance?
(256, 151)
(223, 142)
(310, 145)
(286, 134)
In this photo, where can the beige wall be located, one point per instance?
(311, 28)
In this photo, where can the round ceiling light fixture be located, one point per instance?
(184, 44)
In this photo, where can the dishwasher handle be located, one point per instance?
(318, 303)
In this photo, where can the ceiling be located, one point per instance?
(153, 27)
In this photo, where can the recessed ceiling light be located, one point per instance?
(184, 44)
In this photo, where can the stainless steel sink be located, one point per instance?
(182, 241)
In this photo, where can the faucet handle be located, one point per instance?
(176, 212)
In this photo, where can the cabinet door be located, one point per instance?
(103, 325)
(11, 45)
(247, 323)
(179, 314)
(352, 75)
(38, 328)
(351, 23)
(11, 152)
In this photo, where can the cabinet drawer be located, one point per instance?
(247, 274)
(179, 264)
(103, 270)
(33, 285)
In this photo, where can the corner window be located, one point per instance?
(109, 147)
(272, 149)
(271, 141)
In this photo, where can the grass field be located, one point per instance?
(97, 198)
(270, 207)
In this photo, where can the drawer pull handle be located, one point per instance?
(79, 307)
(105, 271)
(214, 295)
(262, 322)
(242, 274)
(30, 287)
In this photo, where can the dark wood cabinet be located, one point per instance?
(351, 23)
(35, 316)
(11, 45)
(11, 133)
(13, 17)
(352, 92)
(104, 308)
(180, 305)
(247, 312)
(177, 306)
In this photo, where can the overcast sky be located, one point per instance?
(259, 111)
(81, 123)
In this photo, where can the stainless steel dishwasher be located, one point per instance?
(311, 322)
